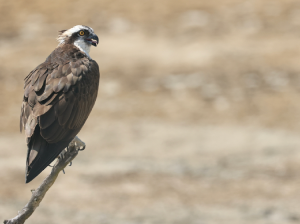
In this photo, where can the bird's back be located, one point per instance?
(58, 98)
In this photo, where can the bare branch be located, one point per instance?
(37, 195)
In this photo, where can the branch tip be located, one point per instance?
(63, 160)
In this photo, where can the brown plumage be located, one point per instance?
(58, 98)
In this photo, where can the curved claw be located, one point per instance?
(80, 144)
(83, 148)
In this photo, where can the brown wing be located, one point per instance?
(58, 99)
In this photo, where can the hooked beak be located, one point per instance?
(93, 40)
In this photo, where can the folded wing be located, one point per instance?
(58, 99)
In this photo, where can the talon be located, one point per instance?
(61, 156)
(63, 171)
(80, 145)
(70, 163)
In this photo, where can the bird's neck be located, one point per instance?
(83, 46)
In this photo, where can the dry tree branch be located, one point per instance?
(37, 195)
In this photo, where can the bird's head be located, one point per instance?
(81, 36)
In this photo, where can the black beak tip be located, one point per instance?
(97, 39)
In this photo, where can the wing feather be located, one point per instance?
(32, 99)
(63, 118)
(47, 119)
(60, 106)
(61, 84)
(40, 109)
(48, 91)
(50, 131)
(58, 97)
(28, 90)
(40, 82)
(67, 87)
(38, 74)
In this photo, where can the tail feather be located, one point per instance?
(41, 154)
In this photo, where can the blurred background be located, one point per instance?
(197, 119)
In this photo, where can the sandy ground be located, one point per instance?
(158, 172)
(197, 119)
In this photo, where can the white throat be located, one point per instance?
(81, 45)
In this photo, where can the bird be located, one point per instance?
(59, 95)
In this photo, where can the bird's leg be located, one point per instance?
(75, 144)
(61, 156)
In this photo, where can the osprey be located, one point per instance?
(59, 95)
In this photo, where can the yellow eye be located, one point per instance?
(81, 33)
